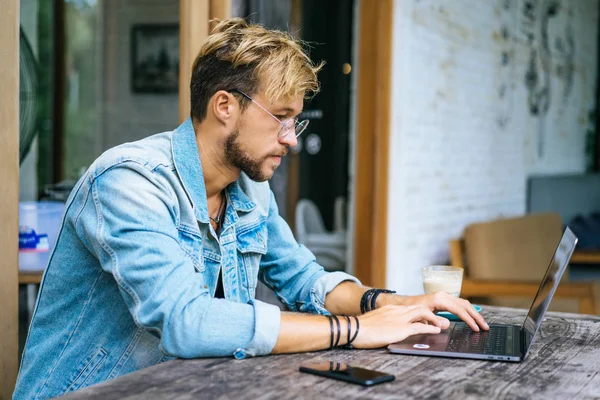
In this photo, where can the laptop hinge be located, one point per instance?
(522, 339)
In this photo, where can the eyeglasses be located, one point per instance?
(286, 127)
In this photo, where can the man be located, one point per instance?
(163, 240)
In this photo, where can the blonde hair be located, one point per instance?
(251, 58)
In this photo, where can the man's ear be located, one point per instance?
(224, 107)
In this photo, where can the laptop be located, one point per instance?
(502, 342)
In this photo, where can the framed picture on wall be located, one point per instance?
(155, 58)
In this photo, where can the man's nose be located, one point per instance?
(290, 140)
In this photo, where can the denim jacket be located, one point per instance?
(131, 280)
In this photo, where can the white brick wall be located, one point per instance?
(461, 151)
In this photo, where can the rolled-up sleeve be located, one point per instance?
(135, 237)
(326, 284)
(291, 271)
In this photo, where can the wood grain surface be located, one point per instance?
(564, 362)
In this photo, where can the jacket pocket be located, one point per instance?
(251, 246)
(88, 375)
(191, 244)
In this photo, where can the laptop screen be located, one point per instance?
(554, 273)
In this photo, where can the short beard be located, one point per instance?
(236, 156)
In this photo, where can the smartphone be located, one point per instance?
(345, 372)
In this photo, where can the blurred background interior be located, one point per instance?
(491, 114)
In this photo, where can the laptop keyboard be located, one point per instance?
(464, 340)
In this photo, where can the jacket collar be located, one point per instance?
(189, 167)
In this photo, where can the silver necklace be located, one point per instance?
(217, 219)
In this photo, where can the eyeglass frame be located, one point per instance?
(304, 122)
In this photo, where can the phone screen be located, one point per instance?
(345, 372)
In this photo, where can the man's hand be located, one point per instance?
(378, 328)
(345, 300)
(390, 324)
(394, 319)
(439, 301)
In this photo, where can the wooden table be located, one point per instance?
(564, 362)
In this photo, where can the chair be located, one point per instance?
(329, 248)
(509, 257)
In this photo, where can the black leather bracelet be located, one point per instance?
(339, 331)
(373, 299)
(369, 298)
(377, 293)
(368, 305)
(365, 300)
(349, 328)
(356, 332)
(350, 341)
(331, 334)
(362, 302)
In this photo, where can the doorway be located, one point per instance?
(316, 170)
(323, 164)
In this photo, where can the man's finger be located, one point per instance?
(479, 320)
(418, 328)
(422, 314)
(477, 317)
(465, 316)
(471, 317)
(466, 312)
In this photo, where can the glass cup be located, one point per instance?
(442, 278)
